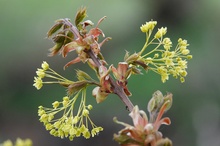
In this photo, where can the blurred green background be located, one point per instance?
(195, 114)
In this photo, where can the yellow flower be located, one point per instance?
(165, 61)
(189, 57)
(182, 42)
(182, 79)
(90, 107)
(96, 131)
(69, 124)
(44, 118)
(161, 32)
(45, 65)
(167, 43)
(185, 51)
(40, 73)
(148, 60)
(148, 26)
(182, 64)
(85, 112)
(7, 143)
(161, 70)
(75, 119)
(55, 104)
(65, 101)
(164, 77)
(18, 142)
(38, 83)
(183, 73)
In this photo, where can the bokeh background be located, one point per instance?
(195, 113)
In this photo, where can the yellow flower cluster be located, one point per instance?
(46, 71)
(18, 142)
(148, 26)
(69, 124)
(161, 32)
(162, 59)
(38, 83)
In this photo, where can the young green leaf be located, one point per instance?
(81, 75)
(81, 14)
(76, 86)
(54, 29)
(55, 49)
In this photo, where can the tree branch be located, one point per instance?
(118, 90)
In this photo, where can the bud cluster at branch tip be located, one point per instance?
(144, 131)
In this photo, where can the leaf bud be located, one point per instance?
(168, 97)
(156, 102)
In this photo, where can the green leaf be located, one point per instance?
(55, 49)
(100, 56)
(135, 70)
(81, 75)
(59, 38)
(54, 29)
(76, 86)
(69, 37)
(126, 55)
(81, 14)
(130, 59)
(142, 64)
(124, 139)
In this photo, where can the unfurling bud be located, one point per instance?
(169, 98)
(160, 103)
(99, 95)
(156, 102)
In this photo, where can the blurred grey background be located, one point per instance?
(195, 113)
